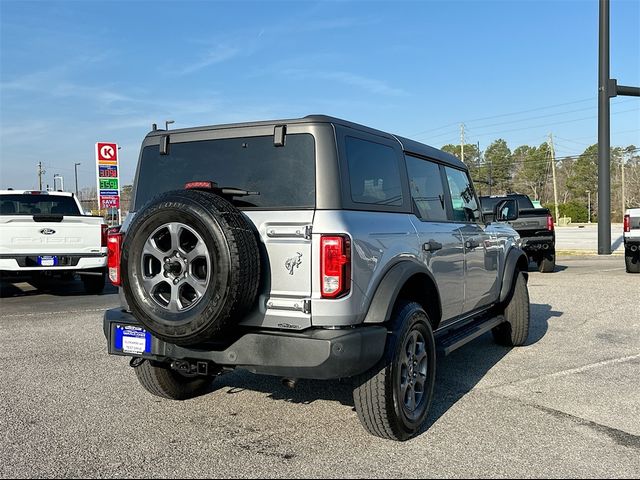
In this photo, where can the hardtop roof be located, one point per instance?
(408, 145)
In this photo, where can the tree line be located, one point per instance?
(528, 169)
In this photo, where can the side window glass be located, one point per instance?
(374, 173)
(426, 187)
(463, 199)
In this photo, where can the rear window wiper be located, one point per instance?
(236, 192)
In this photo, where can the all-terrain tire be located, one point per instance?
(547, 262)
(515, 330)
(164, 382)
(232, 278)
(379, 396)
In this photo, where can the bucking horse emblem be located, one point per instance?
(293, 262)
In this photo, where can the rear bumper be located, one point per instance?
(632, 242)
(533, 244)
(317, 354)
(67, 261)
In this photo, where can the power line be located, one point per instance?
(543, 116)
(547, 124)
(509, 114)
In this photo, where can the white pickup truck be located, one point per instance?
(47, 233)
(632, 240)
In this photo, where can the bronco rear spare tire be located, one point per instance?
(190, 265)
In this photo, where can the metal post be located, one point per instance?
(553, 170)
(75, 167)
(589, 207)
(604, 167)
(462, 142)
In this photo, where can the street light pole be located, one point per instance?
(589, 207)
(75, 167)
(167, 123)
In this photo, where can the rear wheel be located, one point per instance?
(393, 398)
(164, 382)
(547, 262)
(94, 284)
(632, 261)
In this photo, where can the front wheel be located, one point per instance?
(393, 398)
(515, 330)
(163, 382)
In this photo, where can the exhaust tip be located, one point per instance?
(289, 382)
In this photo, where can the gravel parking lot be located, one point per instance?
(566, 405)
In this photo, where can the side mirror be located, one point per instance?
(506, 211)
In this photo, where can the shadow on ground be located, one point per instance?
(54, 286)
(456, 375)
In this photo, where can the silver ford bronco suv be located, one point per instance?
(311, 248)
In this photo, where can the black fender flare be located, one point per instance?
(516, 261)
(386, 294)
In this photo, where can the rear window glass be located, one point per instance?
(374, 173)
(283, 176)
(488, 203)
(37, 204)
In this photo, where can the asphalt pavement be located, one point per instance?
(565, 405)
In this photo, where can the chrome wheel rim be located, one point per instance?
(176, 267)
(413, 374)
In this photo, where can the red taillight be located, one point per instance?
(103, 237)
(550, 223)
(335, 263)
(627, 223)
(114, 248)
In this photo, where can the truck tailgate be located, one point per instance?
(20, 234)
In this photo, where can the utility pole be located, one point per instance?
(462, 142)
(553, 173)
(623, 202)
(41, 171)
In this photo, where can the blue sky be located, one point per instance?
(76, 72)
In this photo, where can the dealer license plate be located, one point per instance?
(132, 339)
(48, 261)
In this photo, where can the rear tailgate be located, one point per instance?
(531, 222)
(634, 225)
(286, 269)
(39, 235)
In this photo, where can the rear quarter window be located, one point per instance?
(374, 174)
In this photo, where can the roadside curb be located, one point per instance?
(587, 253)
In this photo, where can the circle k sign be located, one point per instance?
(107, 152)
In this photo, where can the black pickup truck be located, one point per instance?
(534, 225)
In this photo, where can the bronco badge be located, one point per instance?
(293, 262)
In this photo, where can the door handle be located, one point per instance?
(431, 246)
(471, 244)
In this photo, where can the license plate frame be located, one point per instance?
(130, 340)
(48, 260)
